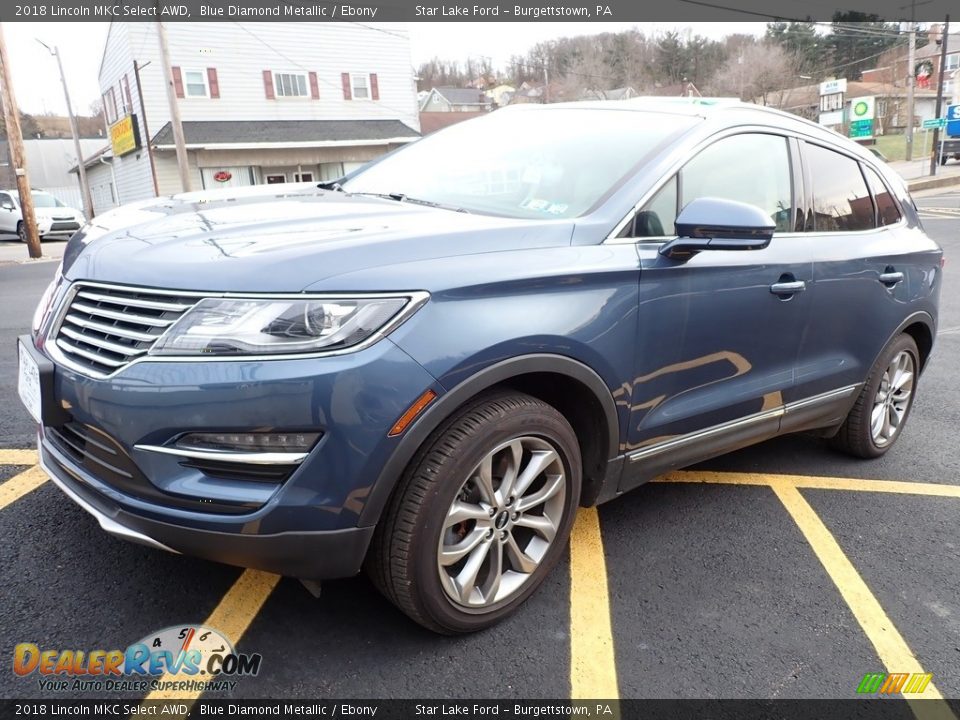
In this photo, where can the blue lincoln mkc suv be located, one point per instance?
(424, 368)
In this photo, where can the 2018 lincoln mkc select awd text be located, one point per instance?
(424, 368)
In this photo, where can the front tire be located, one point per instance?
(884, 403)
(22, 231)
(481, 516)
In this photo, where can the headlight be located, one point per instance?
(242, 326)
(46, 300)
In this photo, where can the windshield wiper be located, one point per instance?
(331, 185)
(401, 197)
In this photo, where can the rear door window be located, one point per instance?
(841, 200)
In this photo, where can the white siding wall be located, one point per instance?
(168, 174)
(241, 52)
(133, 177)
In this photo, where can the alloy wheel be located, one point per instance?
(502, 522)
(893, 398)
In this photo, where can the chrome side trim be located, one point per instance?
(821, 398)
(251, 458)
(106, 523)
(693, 437)
(701, 434)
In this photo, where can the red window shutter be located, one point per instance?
(345, 81)
(177, 81)
(374, 87)
(268, 85)
(314, 86)
(213, 83)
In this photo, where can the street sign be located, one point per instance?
(934, 123)
(862, 113)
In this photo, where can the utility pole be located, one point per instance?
(11, 115)
(935, 152)
(175, 123)
(546, 82)
(911, 81)
(75, 131)
(146, 130)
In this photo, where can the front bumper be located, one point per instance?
(306, 525)
(307, 555)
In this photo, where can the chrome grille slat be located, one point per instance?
(123, 317)
(133, 302)
(74, 350)
(106, 327)
(110, 329)
(101, 343)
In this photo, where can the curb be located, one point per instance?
(934, 182)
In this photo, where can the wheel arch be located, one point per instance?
(922, 328)
(557, 380)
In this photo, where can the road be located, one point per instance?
(728, 588)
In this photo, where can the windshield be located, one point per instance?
(46, 200)
(522, 163)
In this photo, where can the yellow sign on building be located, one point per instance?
(124, 135)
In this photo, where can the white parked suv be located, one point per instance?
(54, 219)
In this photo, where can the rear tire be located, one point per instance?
(883, 406)
(495, 488)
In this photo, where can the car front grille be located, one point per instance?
(65, 225)
(105, 328)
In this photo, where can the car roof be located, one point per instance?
(720, 112)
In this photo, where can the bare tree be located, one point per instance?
(760, 72)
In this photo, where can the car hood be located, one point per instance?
(268, 241)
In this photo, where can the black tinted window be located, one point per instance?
(750, 168)
(841, 201)
(888, 212)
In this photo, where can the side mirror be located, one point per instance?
(7, 205)
(717, 224)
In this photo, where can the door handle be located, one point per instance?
(788, 287)
(891, 277)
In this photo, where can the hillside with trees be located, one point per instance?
(745, 66)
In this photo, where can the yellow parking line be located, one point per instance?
(892, 649)
(19, 485)
(593, 667)
(18, 457)
(813, 482)
(231, 617)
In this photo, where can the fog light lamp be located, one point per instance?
(292, 442)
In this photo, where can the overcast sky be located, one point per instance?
(38, 89)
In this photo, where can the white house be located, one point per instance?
(260, 103)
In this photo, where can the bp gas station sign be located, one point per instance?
(862, 116)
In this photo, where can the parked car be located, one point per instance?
(54, 219)
(424, 369)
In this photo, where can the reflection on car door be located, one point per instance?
(717, 344)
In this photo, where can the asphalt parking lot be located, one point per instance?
(781, 571)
